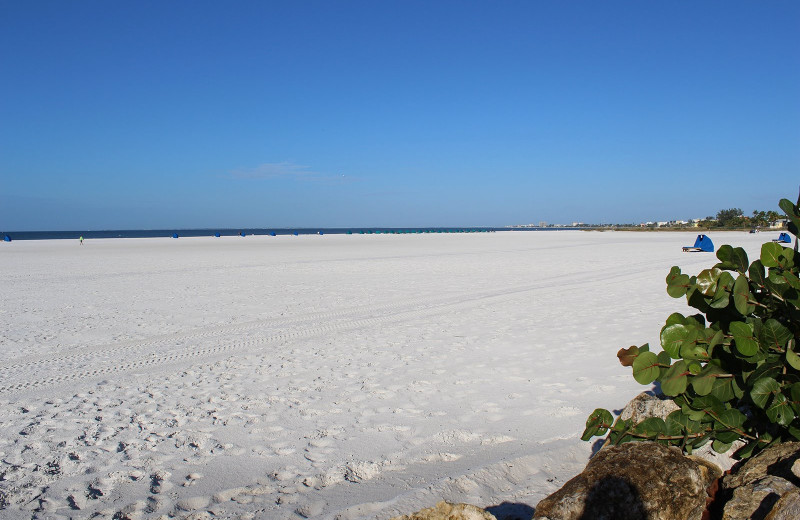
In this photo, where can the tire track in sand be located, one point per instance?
(100, 361)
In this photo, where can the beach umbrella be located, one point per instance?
(296, 233)
(272, 234)
(174, 235)
(216, 235)
(6, 238)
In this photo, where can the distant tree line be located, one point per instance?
(734, 218)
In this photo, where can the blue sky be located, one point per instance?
(394, 113)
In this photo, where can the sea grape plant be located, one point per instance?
(733, 369)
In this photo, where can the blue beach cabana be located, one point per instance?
(701, 244)
(783, 238)
(6, 238)
(174, 235)
(216, 235)
(272, 234)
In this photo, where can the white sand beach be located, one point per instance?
(338, 376)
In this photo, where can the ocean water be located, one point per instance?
(151, 233)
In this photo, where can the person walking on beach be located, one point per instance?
(81, 239)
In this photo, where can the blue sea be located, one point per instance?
(152, 233)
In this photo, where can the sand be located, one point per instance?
(335, 376)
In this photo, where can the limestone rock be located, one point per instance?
(650, 404)
(787, 507)
(756, 499)
(446, 511)
(634, 481)
(776, 460)
(796, 468)
(758, 486)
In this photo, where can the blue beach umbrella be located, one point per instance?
(174, 235)
(6, 238)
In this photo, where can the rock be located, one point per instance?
(757, 486)
(634, 481)
(650, 404)
(796, 468)
(776, 460)
(447, 511)
(756, 499)
(786, 508)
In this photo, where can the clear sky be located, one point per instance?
(165, 114)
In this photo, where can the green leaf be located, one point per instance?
(675, 318)
(787, 258)
(762, 390)
(707, 281)
(673, 337)
(792, 359)
(742, 333)
(757, 273)
(794, 392)
(722, 296)
(731, 418)
(770, 254)
(791, 279)
(791, 212)
(674, 381)
(652, 427)
(677, 283)
(721, 447)
(746, 346)
(746, 451)
(645, 368)
(742, 296)
(708, 404)
(724, 389)
(714, 340)
(597, 424)
(732, 259)
(740, 329)
(774, 335)
(691, 351)
(779, 411)
(703, 383)
(678, 422)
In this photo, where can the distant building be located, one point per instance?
(778, 224)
